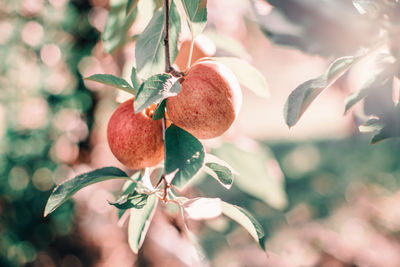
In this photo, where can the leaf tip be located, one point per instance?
(290, 123)
(47, 211)
(262, 244)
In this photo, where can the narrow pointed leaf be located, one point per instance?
(202, 208)
(139, 223)
(128, 188)
(301, 98)
(155, 89)
(260, 174)
(382, 73)
(196, 15)
(129, 195)
(246, 220)
(386, 127)
(117, 25)
(125, 202)
(247, 75)
(159, 113)
(136, 82)
(150, 44)
(184, 155)
(382, 135)
(113, 81)
(220, 170)
(226, 43)
(67, 189)
(130, 6)
(373, 125)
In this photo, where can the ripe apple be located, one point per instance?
(202, 47)
(208, 102)
(135, 139)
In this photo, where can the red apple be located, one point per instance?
(208, 102)
(135, 139)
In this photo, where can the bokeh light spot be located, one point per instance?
(32, 33)
(43, 179)
(50, 54)
(18, 178)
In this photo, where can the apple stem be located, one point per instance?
(190, 53)
(166, 188)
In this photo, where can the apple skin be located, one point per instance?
(135, 139)
(202, 47)
(209, 101)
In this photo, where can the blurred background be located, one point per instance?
(324, 195)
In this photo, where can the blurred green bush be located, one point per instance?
(45, 117)
(319, 177)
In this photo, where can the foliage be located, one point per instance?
(250, 173)
(320, 175)
(313, 27)
(185, 156)
(377, 91)
(32, 105)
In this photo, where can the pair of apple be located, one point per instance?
(206, 107)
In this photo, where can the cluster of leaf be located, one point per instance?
(375, 16)
(185, 156)
(26, 164)
(316, 27)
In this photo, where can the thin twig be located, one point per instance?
(166, 36)
(190, 54)
(168, 69)
(168, 66)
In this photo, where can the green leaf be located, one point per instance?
(196, 15)
(150, 45)
(159, 113)
(382, 73)
(146, 10)
(260, 175)
(220, 170)
(385, 127)
(129, 201)
(128, 188)
(136, 82)
(301, 98)
(130, 6)
(139, 223)
(373, 125)
(155, 89)
(113, 81)
(246, 220)
(129, 198)
(247, 75)
(382, 135)
(117, 25)
(184, 155)
(224, 42)
(202, 208)
(67, 189)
